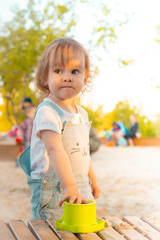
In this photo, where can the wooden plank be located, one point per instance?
(143, 228)
(70, 236)
(5, 233)
(20, 230)
(138, 141)
(126, 229)
(88, 236)
(146, 141)
(154, 221)
(8, 153)
(61, 234)
(41, 230)
(109, 233)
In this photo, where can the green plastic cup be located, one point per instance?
(79, 218)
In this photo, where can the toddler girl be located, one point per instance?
(61, 167)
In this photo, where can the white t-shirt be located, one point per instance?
(47, 118)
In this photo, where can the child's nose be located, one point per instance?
(67, 78)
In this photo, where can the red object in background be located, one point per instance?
(19, 143)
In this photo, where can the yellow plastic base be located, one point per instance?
(99, 225)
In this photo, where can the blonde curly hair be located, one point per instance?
(56, 54)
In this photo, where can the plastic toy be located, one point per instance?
(79, 218)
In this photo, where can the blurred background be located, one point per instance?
(123, 40)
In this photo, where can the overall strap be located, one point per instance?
(52, 105)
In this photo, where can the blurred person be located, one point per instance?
(27, 102)
(27, 125)
(134, 130)
(117, 133)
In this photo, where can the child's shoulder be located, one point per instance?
(45, 111)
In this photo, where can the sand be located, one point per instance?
(129, 179)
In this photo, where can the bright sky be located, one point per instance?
(136, 40)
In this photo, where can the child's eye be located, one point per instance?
(58, 71)
(75, 71)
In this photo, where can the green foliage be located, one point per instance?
(105, 28)
(158, 29)
(95, 116)
(22, 41)
(121, 112)
(126, 62)
(147, 127)
(157, 126)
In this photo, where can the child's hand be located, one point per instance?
(95, 190)
(73, 196)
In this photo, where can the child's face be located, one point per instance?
(65, 82)
(26, 105)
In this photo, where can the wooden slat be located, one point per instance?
(5, 233)
(88, 236)
(70, 236)
(109, 233)
(20, 230)
(154, 221)
(138, 141)
(41, 230)
(146, 141)
(63, 234)
(143, 228)
(124, 228)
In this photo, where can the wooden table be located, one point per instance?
(142, 141)
(8, 149)
(130, 228)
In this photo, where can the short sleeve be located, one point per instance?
(47, 119)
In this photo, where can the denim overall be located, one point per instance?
(47, 192)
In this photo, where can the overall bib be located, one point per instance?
(75, 138)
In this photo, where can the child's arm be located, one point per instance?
(61, 166)
(94, 183)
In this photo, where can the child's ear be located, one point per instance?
(85, 78)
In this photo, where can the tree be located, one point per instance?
(97, 117)
(21, 43)
(23, 39)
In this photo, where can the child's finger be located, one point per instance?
(78, 200)
(62, 200)
(72, 199)
(85, 201)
